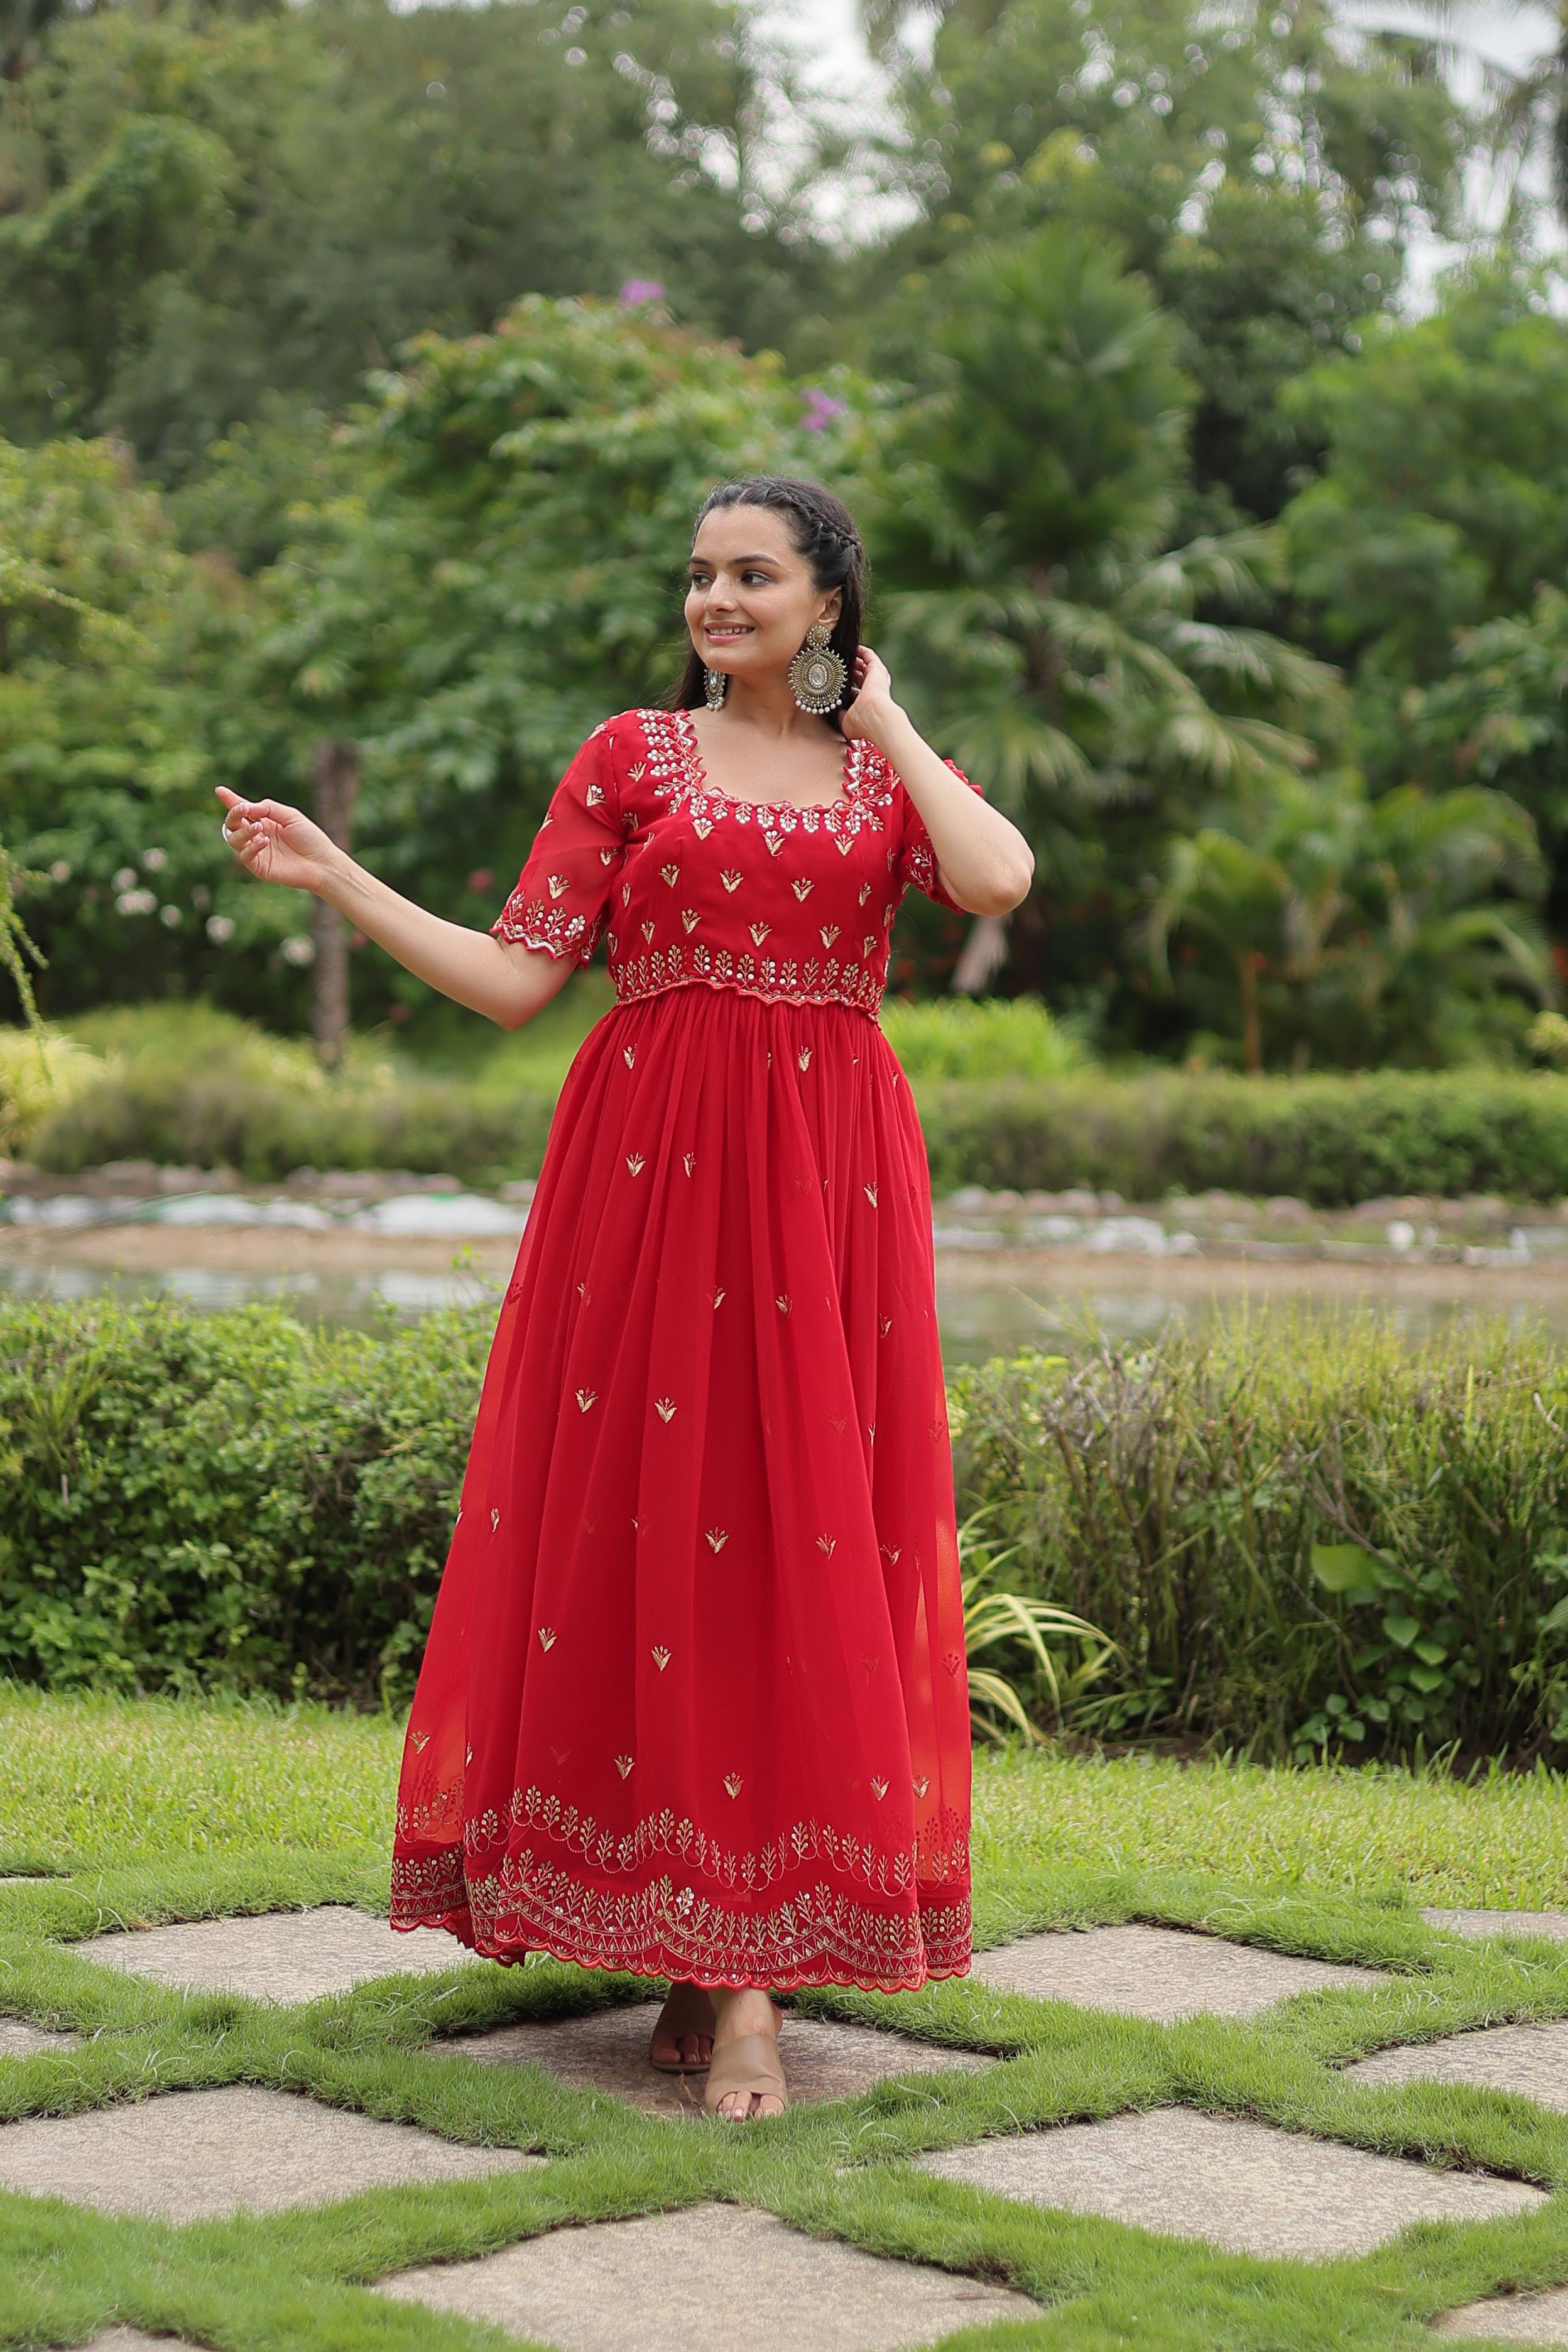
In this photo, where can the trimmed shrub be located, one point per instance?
(263, 1132)
(1331, 1141)
(1302, 1536)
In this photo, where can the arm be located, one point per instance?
(983, 860)
(506, 982)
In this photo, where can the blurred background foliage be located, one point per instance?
(361, 370)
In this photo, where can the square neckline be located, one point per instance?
(701, 782)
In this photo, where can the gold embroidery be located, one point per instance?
(820, 1936)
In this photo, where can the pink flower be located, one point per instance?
(638, 290)
(821, 408)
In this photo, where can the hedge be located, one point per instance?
(1298, 1537)
(264, 1133)
(1329, 1140)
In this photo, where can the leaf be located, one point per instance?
(1433, 1653)
(1400, 1629)
(1427, 1678)
(1338, 1567)
(1556, 1619)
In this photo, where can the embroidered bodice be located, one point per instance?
(686, 884)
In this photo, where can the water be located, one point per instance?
(987, 1304)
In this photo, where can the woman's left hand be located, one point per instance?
(873, 704)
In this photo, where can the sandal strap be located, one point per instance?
(748, 2062)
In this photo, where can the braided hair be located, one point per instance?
(822, 530)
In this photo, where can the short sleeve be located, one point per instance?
(563, 896)
(917, 859)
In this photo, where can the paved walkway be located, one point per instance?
(1246, 2187)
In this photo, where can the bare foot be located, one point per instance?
(683, 2032)
(747, 2010)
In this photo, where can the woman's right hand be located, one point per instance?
(277, 843)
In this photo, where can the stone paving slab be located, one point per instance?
(1164, 1973)
(189, 2156)
(1249, 2188)
(1529, 2059)
(20, 2040)
(278, 1955)
(131, 2339)
(1538, 2320)
(1501, 1923)
(715, 2278)
(607, 2051)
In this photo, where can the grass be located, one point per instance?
(150, 1811)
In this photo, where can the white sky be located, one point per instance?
(826, 34)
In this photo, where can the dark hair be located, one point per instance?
(822, 530)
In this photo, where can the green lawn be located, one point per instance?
(153, 1811)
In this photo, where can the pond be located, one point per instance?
(1010, 1272)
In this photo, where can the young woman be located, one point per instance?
(693, 1703)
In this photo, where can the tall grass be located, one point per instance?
(1303, 1536)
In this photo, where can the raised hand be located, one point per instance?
(277, 843)
(873, 703)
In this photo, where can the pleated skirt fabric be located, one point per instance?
(694, 1701)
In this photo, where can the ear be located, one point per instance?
(832, 605)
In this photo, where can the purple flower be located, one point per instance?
(821, 408)
(638, 290)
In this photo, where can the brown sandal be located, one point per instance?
(749, 2062)
(687, 2010)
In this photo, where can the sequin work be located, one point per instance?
(694, 1700)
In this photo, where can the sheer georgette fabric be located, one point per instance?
(694, 1700)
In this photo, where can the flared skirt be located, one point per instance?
(694, 1701)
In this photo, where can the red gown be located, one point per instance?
(694, 1700)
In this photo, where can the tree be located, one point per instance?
(1315, 923)
(1069, 656)
(200, 209)
(118, 654)
(1264, 170)
(1445, 499)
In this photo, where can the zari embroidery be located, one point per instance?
(528, 922)
(675, 764)
(941, 1849)
(818, 1936)
(816, 981)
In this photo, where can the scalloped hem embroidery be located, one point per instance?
(533, 925)
(816, 1938)
(640, 990)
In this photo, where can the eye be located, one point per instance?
(756, 579)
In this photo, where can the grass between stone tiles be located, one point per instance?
(154, 1811)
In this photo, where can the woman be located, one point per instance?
(693, 1703)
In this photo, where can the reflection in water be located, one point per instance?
(1073, 1314)
(983, 1311)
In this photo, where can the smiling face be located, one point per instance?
(751, 597)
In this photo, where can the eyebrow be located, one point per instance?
(738, 559)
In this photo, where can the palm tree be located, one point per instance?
(1067, 653)
(1352, 918)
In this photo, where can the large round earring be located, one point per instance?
(715, 687)
(816, 676)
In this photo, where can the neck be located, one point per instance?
(768, 705)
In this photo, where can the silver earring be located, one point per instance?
(816, 676)
(715, 687)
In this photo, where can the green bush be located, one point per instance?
(1329, 1140)
(185, 1086)
(1300, 1536)
(983, 1038)
(233, 1499)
